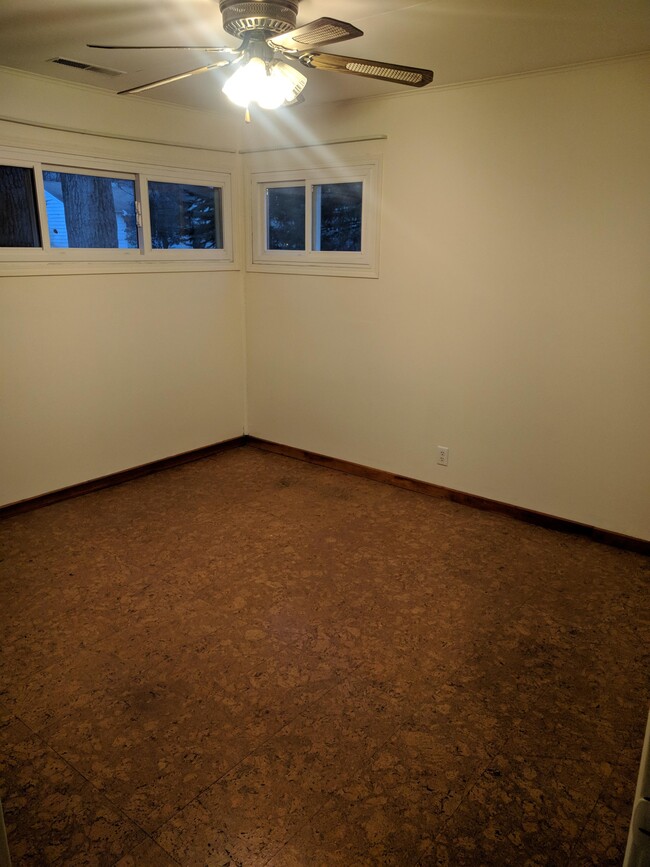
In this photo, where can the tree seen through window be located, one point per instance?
(336, 217)
(185, 216)
(90, 211)
(18, 218)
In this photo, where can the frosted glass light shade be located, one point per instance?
(270, 87)
(246, 82)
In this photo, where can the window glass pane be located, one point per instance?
(285, 218)
(337, 216)
(185, 216)
(18, 213)
(90, 210)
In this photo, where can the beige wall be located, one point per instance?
(511, 319)
(105, 371)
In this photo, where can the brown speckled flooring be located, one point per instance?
(250, 660)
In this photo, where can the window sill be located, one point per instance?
(316, 270)
(131, 266)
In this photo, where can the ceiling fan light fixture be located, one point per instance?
(268, 32)
(242, 86)
(284, 79)
(270, 85)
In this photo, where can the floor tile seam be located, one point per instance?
(129, 624)
(197, 798)
(257, 746)
(286, 721)
(103, 795)
(70, 710)
(550, 757)
(550, 689)
(326, 799)
(492, 747)
(469, 788)
(578, 837)
(136, 571)
(263, 660)
(39, 669)
(449, 682)
(453, 672)
(553, 758)
(621, 762)
(547, 689)
(615, 763)
(575, 841)
(150, 838)
(475, 783)
(587, 638)
(42, 732)
(325, 796)
(53, 749)
(328, 795)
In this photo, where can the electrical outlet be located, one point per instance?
(443, 456)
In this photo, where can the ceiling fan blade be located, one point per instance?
(221, 49)
(410, 75)
(322, 31)
(297, 101)
(171, 78)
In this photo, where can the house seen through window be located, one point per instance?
(59, 213)
(90, 210)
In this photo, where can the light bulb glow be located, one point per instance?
(270, 86)
(246, 82)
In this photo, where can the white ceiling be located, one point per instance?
(461, 40)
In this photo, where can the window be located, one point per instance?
(285, 218)
(322, 221)
(61, 214)
(18, 215)
(336, 213)
(185, 217)
(90, 210)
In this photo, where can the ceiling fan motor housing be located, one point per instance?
(274, 17)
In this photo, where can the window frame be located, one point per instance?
(48, 259)
(39, 202)
(85, 253)
(222, 254)
(363, 263)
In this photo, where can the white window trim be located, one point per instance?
(330, 263)
(224, 254)
(48, 260)
(91, 254)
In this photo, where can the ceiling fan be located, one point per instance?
(268, 32)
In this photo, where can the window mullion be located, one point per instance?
(42, 207)
(144, 231)
(309, 246)
(316, 200)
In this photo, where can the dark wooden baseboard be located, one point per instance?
(120, 477)
(563, 525)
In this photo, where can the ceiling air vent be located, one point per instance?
(88, 67)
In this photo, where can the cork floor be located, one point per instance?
(250, 660)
